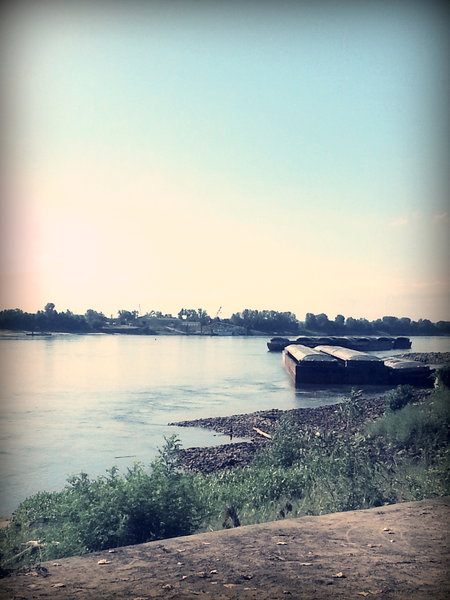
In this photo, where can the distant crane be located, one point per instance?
(216, 317)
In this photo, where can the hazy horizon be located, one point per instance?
(166, 155)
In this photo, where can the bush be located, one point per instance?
(109, 511)
(443, 375)
(288, 444)
(400, 397)
(422, 429)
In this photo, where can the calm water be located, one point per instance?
(84, 403)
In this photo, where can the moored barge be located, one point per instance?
(359, 367)
(307, 365)
(403, 371)
(364, 344)
(336, 365)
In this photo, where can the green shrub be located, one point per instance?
(105, 512)
(288, 444)
(422, 428)
(352, 408)
(443, 375)
(400, 397)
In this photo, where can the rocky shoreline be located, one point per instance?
(328, 418)
(428, 358)
(249, 426)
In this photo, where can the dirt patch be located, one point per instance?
(390, 553)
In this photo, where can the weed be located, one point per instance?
(443, 376)
(399, 397)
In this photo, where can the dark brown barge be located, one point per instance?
(336, 365)
(363, 344)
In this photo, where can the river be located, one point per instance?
(72, 403)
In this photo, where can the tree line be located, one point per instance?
(386, 325)
(248, 321)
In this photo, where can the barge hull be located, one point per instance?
(278, 344)
(326, 365)
(312, 369)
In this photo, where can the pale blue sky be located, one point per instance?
(281, 156)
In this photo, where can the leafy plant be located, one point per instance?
(399, 397)
(108, 511)
(443, 375)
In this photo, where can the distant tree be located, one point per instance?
(351, 325)
(127, 317)
(155, 314)
(443, 327)
(191, 314)
(95, 320)
(390, 323)
(270, 321)
(322, 322)
(203, 317)
(404, 325)
(310, 321)
(363, 326)
(15, 319)
(425, 327)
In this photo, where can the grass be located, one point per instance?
(422, 429)
(402, 456)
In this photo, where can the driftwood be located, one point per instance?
(263, 433)
(32, 547)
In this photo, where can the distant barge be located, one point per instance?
(338, 365)
(363, 344)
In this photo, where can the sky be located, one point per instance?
(284, 156)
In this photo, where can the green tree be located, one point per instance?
(310, 321)
(203, 317)
(49, 308)
(127, 317)
(322, 322)
(95, 319)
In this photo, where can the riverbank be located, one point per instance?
(254, 425)
(397, 552)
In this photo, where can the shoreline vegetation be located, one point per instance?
(358, 454)
(199, 322)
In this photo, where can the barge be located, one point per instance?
(364, 344)
(403, 371)
(307, 365)
(337, 365)
(359, 367)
